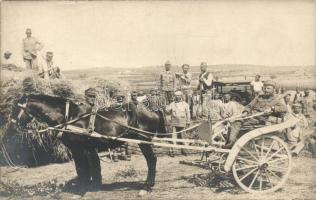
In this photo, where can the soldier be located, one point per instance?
(205, 79)
(267, 103)
(185, 83)
(180, 115)
(134, 95)
(287, 102)
(308, 101)
(7, 61)
(30, 47)
(231, 108)
(256, 86)
(49, 70)
(295, 136)
(168, 83)
(154, 101)
(90, 96)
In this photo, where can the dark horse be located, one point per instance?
(84, 149)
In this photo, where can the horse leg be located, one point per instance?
(94, 167)
(82, 168)
(151, 160)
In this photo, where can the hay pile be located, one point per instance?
(29, 147)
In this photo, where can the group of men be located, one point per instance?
(32, 58)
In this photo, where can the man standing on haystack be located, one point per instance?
(48, 69)
(31, 46)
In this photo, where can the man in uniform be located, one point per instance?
(185, 83)
(295, 136)
(180, 115)
(267, 103)
(90, 96)
(256, 86)
(30, 47)
(49, 70)
(231, 108)
(167, 83)
(205, 79)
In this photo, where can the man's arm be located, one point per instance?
(279, 107)
(187, 77)
(249, 107)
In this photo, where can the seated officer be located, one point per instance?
(267, 102)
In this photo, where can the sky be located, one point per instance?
(146, 33)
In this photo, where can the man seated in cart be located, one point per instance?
(272, 109)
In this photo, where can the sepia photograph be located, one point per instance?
(170, 99)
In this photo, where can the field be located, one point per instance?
(123, 180)
(173, 181)
(144, 78)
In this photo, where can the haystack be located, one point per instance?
(29, 147)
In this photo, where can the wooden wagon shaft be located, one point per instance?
(81, 131)
(191, 141)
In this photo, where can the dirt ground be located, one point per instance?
(123, 179)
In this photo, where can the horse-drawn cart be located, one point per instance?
(259, 161)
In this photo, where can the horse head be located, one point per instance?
(43, 108)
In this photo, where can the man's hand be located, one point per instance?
(188, 124)
(244, 114)
(269, 110)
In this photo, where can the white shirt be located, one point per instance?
(257, 86)
(209, 80)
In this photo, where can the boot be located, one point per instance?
(232, 138)
(184, 152)
(115, 157)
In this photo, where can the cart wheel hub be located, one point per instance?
(263, 166)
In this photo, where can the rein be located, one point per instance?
(141, 132)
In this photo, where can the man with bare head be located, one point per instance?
(30, 48)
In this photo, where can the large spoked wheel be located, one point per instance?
(262, 165)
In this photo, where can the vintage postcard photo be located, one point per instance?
(158, 99)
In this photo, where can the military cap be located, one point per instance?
(134, 93)
(153, 89)
(167, 62)
(204, 64)
(269, 83)
(91, 91)
(7, 53)
(49, 53)
(185, 65)
(178, 93)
